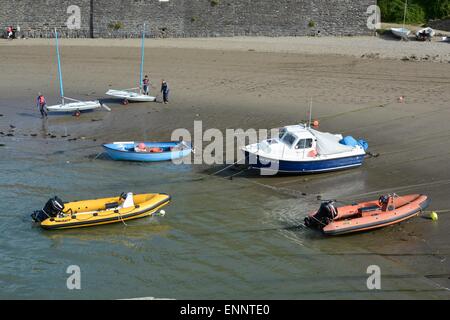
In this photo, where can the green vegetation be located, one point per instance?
(419, 11)
(311, 24)
(116, 25)
(214, 3)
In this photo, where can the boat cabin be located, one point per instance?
(298, 139)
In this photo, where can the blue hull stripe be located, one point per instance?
(309, 166)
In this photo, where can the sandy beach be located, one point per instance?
(261, 83)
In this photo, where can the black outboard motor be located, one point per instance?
(52, 209)
(325, 215)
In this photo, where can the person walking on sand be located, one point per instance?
(165, 91)
(42, 104)
(146, 85)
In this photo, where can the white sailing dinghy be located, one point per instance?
(75, 105)
(135, 94)
(402, 33)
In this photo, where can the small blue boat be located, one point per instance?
(300, 149)
(148, 151)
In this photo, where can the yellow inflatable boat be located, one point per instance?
(58, 215)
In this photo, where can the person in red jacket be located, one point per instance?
(9, 32)
(42, 104)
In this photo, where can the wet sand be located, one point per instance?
(246, 83)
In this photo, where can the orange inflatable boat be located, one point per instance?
(385, 211)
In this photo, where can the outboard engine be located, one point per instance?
(325, 215)
(52, 209)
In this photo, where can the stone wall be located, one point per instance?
(39, 18)
(163, 18)
(277, 18)
(443, 25)
(189, 18)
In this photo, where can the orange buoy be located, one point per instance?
(312, 154)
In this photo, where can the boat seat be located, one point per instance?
(111, 206)
(368, 209)
(129, 201)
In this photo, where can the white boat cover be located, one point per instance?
(328, 144)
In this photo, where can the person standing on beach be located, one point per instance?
(165, 91)
(9, 32)
(146, 85)
(42, 104)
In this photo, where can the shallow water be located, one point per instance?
(220, 239)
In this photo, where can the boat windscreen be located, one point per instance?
(289, 139)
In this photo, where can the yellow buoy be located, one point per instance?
(434, 216)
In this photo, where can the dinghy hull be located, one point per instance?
(130, 96)
(91, 213)
(75, 106)
(368, 215)
(401, 32)
(170, 151)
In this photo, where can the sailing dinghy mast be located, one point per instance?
(404, 15)
(61, 86)
(135, 93)
(141, 80)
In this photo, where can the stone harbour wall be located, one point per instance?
(186, 18)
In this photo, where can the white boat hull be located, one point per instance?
(401, 32)
(75, 106)
(130, 96)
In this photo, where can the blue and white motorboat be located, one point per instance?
(148, 151)
(301, 149)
